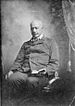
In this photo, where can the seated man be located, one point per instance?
(36, 60)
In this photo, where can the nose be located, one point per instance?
(34, 29)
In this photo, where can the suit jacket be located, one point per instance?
(37, 54)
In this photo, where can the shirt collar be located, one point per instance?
(38, 38)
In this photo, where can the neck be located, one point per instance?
(38, 37)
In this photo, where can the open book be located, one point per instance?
(38, 71)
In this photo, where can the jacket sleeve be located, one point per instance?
(53, 63)
(18, 63)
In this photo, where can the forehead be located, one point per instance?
(36, 24)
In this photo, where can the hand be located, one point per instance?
(42, 71)
(34, 72)
(8, 75)
(56, 74)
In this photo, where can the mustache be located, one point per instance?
(34, 33)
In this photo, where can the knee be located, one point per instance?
(33, 79)
(17, 78)
(32, 82)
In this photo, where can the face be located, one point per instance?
(36, 28)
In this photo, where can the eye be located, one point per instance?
(36, 27)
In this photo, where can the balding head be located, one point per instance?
(36, 28)
(37, 23)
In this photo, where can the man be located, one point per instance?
(36, 58)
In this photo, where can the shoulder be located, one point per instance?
(49, 40)
(51, 43)
(25, 44)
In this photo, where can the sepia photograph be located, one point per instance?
(38, 53)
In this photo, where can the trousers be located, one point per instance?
(19, 80)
